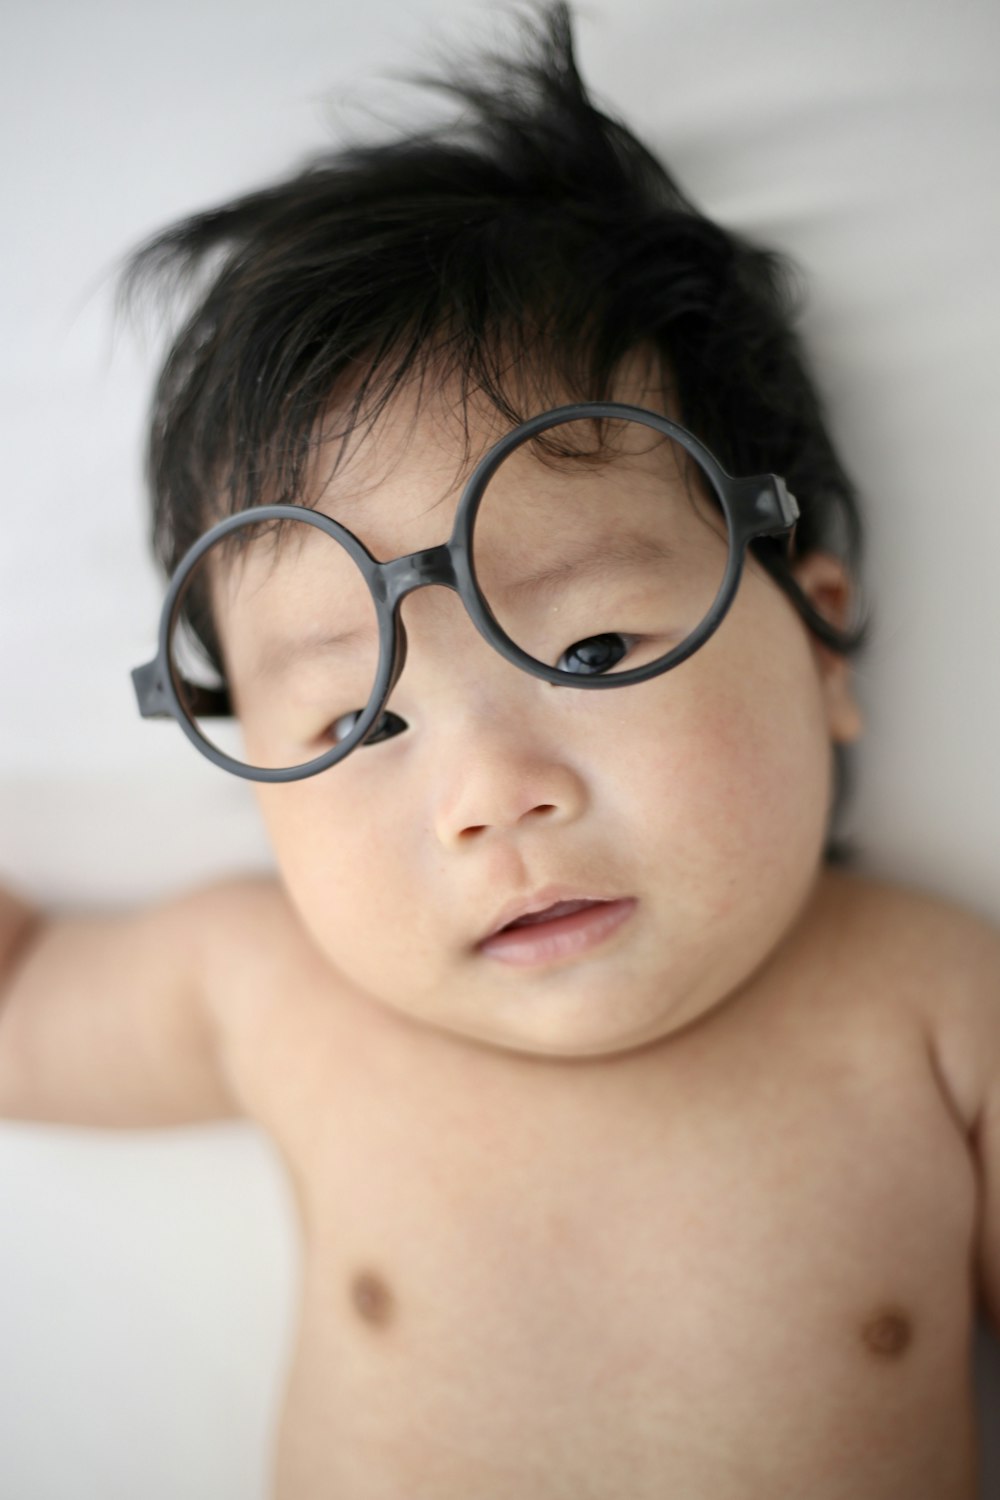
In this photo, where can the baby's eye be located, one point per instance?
(385, 726)
(596, 654)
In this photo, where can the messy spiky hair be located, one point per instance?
(531, 244)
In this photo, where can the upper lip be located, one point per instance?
(523, 906)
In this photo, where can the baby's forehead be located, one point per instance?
(412, 459)
(404, 469)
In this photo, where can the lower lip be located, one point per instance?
(563, 937)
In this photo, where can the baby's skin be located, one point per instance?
(692, 1194)
(737, 1263)
(743, 1261)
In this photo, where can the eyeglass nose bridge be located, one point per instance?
(392, 581)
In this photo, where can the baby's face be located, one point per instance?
(693, 807)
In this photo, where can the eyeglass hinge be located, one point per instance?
(150, 692)
(769, 503)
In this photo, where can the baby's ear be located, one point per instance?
(827, 584)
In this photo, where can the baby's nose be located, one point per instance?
(499, 754)
(496, 781)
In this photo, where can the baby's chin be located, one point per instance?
(581, 1012)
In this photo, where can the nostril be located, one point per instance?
(474, 830)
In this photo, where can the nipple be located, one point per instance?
(371, 1298)
(889, 1333)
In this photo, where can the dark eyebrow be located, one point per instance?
(592, 560)
(283, 652)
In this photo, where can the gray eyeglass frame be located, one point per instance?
(754, 506)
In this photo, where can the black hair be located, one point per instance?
(532, 238)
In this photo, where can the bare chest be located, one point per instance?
(744, 1276)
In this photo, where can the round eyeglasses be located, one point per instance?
(595, 546)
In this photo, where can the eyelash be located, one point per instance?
(374, 736)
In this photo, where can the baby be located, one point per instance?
(642, 1147)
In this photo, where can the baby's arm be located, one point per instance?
(109, 1021)
(987, 1140)
(967, 1051)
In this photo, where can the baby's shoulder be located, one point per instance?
(244, 920)
(894, 911)
(936, 957)
(272, 995)
(255, 942)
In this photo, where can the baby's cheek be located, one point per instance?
(322, 854)
(745, 791)
(357, 894)
(775, 801)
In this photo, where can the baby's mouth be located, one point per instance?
(550, 913)
(561, 929)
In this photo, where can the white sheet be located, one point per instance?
(147, 1282)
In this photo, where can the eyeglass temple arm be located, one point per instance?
(783, 504)
(154, 703)
(831, 635)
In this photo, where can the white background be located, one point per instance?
(147, 1282)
